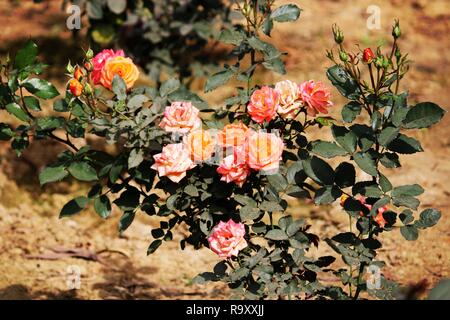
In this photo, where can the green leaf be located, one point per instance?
(350, 111)
(428, 218)
(49, 123)
(327, 195)
(345, 175)
(17, 111)
(249, 212)
(61, 105)
(169, 86)
(405, 145)
(154, 246)
(74, 206)
(385, 184)
(276, 234)
(407, 190)
(409, 232)
(406, 201)
(32, 103)
(366, 163)
(327, 149)
(441, 291)
(270, 206)
(387, 135)
(191, 190)
(126, 220)
(423, 115)
(6, 133)
(94, 9)
(52, 174)
(117, 6)
(347, 139)
(135, 158)
(390, 160)
(218, 79)
(277, 181)
(343, 82)
(82, 171)
(40, 88)
(26, 56)
(102, 206)
(234, 37)
(129, 199)
(245, 200)
(319, 170)
(286, 13)
(119, 87)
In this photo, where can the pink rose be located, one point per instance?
(315, 96)
(227, 239)
(173, 162)
(263, 104)
(233, 168)
(99, 61)
(263, 151)
(289, 103)
(181, 117)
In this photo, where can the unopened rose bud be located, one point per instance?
(89, 54)
(69, 68)
(368, 55)
(78, 73)
(396, 32)
(338, 34)
(343, 56)
(379, 62)
(398, 54)
(87, 89)
(88, 66)
(75, 87)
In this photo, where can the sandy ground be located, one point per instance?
(116, 267)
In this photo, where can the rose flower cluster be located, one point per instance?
(245, 149)
(100, 70)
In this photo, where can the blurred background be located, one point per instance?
(41, 256)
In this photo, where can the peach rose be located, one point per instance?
(75, 87)
(227, 239)
(289, 103)
(181, 117)
(233, 135)
(173, 162)
(263, 104)
(121, 66)
(379, 219)
(201, 144)
(315, 96)
(98, 62)
(263, 151)
(233, 168)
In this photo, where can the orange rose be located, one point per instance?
(123, 67)
(264, 151)
(263, 104)
(173, 162)
(201, 144)
(233, 135)
(75, 87)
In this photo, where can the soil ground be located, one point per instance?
(116, 267)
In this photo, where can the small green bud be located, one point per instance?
(379, 62)
(87, 89)
(396, 31)
(386, 63)
(69, 68)
(343, 56)
(338, 34)
(89, 54)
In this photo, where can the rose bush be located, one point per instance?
(225, 171)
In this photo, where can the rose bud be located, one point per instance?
(343, 56)
(89, 54)
(75, 87)
(368, 55)
(87, 89)
(88, 65)
(78, 73)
